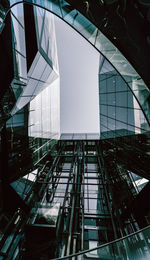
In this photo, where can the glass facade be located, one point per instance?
(34, 126)
(87, 29)
(120, 113)
(78, 196)
(44, 67)
(44, 120)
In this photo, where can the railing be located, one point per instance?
(135, 246)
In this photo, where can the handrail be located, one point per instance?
(102, 246)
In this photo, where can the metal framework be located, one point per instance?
(77, 201)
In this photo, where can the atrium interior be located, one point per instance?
(74, 195)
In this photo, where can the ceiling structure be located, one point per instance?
(35, 163)
(126, 24)
(118, 29)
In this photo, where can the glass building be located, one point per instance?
(74, 196)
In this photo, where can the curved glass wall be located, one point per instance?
(97, 39)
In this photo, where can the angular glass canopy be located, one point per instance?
(30, 80)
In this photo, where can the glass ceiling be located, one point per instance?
(102, 44)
